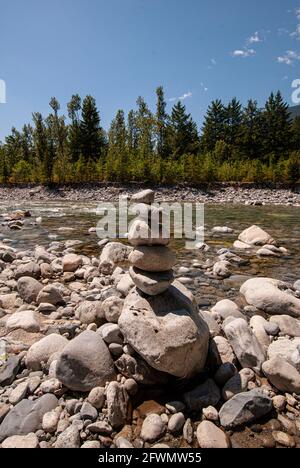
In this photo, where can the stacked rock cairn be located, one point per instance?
(152, 261)
(160, 318)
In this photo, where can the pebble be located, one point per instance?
(91, 444)
(100, 427)
(153, 428)
(211, 437)
(279, 402)
(211, 414)
(18, 393)
(50, 421)
(188, 432)
(70, 438)
(88, 412)
(123, 443)
(29, 441)
(97, 397)
(176, 423)
(284, 439)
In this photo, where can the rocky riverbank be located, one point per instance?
(237, 194)
(116, 350)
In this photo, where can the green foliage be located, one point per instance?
(21, 172)
(236, 144)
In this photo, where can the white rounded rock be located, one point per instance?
(166, 330)
(153, 428)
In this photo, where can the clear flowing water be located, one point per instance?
(69, 220)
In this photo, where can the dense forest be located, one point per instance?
(235, 143)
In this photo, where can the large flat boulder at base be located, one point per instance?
(166, 330)
(270, 296)
(85, 363)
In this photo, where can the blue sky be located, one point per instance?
(199, 50)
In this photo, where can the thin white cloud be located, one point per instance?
(243, 53)
(213, 61)
(282, 31)
(247, 50)
(254, 39)
(186, 96)
(296, 33)
(204, 87)
(181, 98)
(289, 57)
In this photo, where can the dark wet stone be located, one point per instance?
(9, 371)
(245, 408)
(27, 416)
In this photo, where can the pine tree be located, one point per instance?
(117, 149)
(145, 129)
(43, 152)
(91, 134)
(251, 130)
(13, 149)
(74, 134)
(132, 133)
(183, 132)
(213, 129)
(293, 167)
(233, 121)
(276, 126)
(161, 124)
(27, 143)
(296, 133)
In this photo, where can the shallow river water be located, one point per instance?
(66, 220)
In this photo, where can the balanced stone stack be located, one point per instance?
(152, 261)
(160, 319)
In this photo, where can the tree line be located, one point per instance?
(235, 143)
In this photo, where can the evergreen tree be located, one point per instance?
(27, 143)
(233, 121)
(213, 129)
(43, 152)
(74, 133)
(117, 149)
(296, 133)
(293, 167)
(91, 134)
(161, 124)
(251, 130)
(183, 132)
(276, 126)
(13, 148)
(132, 133)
